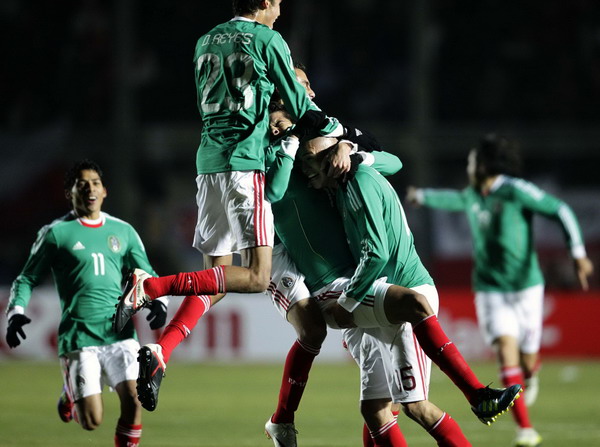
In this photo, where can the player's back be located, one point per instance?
(233, 72)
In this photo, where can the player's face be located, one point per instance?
(313, 165)
(269, 16)
(87, 194)
(303, 80)
(279, 122)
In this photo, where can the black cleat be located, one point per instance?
(493, 402)
(133, 299)
(152, 371)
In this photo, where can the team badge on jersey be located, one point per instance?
(114, 243)
(287, 282)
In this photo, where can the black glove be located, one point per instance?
(15, 328)
(158, 314)
(364, 139)
(312, 120)
(355, 161)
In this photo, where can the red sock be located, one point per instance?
(513, 376)
(447, 433)
(366, 435)
(203, 282)
(186, 317)
(127, 435)
(295, 375)
(389, 436)
(446, 356)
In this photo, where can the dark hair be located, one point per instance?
(241, 7)
(276, 106)
(498, 155)
(72, 174)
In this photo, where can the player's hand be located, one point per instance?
(312, 120)
(15, 329)
(338, 160)
(584, 268)
(411, 196)
(363, 138)
(158, 314)
(342, 317)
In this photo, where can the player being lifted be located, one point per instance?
(382, 246)
(86, 251)
(508, 282)
(238, 64)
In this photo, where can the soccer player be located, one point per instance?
(508, 282)
(238, 65)
(86, 251)
(308, 230)
(382, 246)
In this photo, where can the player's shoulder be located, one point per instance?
(366, 173)
(518, 186)
(59, 222)
(116, 222)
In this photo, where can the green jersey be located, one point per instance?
(238, 64)
(308, 225)
(501, 226)
(87, 264)
(379, 237)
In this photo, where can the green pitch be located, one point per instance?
(205, 405)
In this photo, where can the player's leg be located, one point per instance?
(82, 374)
(129, 427)
(289, 294)
(378, 386)
(530, 313)
(233, 216)
(513, 323)
(119, 371)
(416, 306)
(382, 423)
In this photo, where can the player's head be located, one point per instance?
(302, 78)
(263, 11)
(279, 119)
(494, 155)
(84, 188)
(314, 162)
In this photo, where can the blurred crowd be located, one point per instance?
(485, 62)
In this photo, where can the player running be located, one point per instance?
(86, 251)
(508, 282)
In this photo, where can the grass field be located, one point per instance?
(224, 405)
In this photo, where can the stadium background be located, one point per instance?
(113, 81)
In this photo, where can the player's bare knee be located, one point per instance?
(90, 423)
(420, 307)
(313, 334)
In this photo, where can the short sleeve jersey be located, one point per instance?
(238, 65)
(501, 224)
(87, 265)
(378, 233)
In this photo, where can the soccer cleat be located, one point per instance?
(65, 406)
(532, 387)
(527, 437)
(282, 435)
(134, 298)
(492, 402)
(152, 371)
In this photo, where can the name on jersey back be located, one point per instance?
(223, 38)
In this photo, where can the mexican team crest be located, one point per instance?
(114, 243)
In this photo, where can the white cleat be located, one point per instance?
(532, 387)
(527, 437)
(282, 435)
